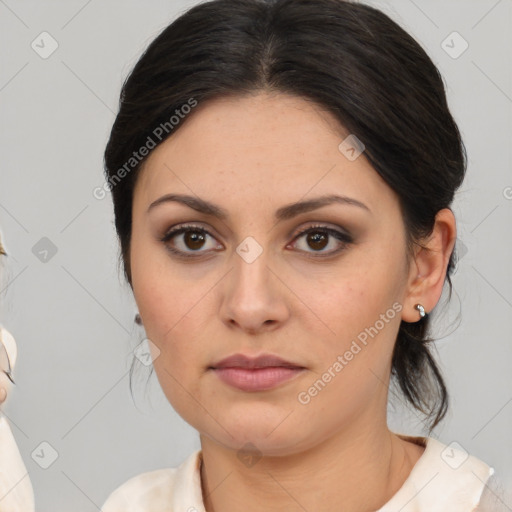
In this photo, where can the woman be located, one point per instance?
(16, 493)
(282, 174)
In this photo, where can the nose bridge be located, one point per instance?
(251, 297)
(251, 264)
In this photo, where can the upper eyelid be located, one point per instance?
(295, 233)
(186, 226)
(316, 224)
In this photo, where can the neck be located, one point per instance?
(369, 466)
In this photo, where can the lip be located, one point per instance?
(261, 361)
(260, 373)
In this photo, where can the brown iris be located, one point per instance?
(194, 239)
(318, 239)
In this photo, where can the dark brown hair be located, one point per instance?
(349, 58)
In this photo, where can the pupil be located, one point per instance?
(318, 238)
(195, 239)
(192, 238)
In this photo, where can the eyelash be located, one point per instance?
(344, 238)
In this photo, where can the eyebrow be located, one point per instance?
(285, 212)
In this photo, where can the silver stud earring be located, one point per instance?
(421, 310)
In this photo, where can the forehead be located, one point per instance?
(259, 150)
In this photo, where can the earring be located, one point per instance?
(421, 310)
(138, 319)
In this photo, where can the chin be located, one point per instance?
(266, 434)
(286, 445)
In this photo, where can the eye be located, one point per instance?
(319, 237)
(193, 239)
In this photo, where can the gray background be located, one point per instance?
(72, 315)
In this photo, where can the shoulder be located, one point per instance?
(149, 491)
(454, 473)
(497, 496)
(160, 490)
(16, 492)
(445, 477)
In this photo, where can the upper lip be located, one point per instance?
(261, 361)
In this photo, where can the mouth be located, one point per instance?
(260, 373)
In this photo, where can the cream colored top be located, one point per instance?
(16, 492)
(445, 478)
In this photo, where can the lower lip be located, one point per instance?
(257, 379)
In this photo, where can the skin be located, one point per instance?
(252, 155)
(8, 348)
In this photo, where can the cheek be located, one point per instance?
(340, 306)
(166, 291)
(356, 316)
(156, 292)
(352, 364)
(174, 313)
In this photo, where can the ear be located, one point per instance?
(428, 268)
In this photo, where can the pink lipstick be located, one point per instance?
(260, 373)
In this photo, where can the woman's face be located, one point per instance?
(249, 284)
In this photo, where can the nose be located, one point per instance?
(254, 298)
